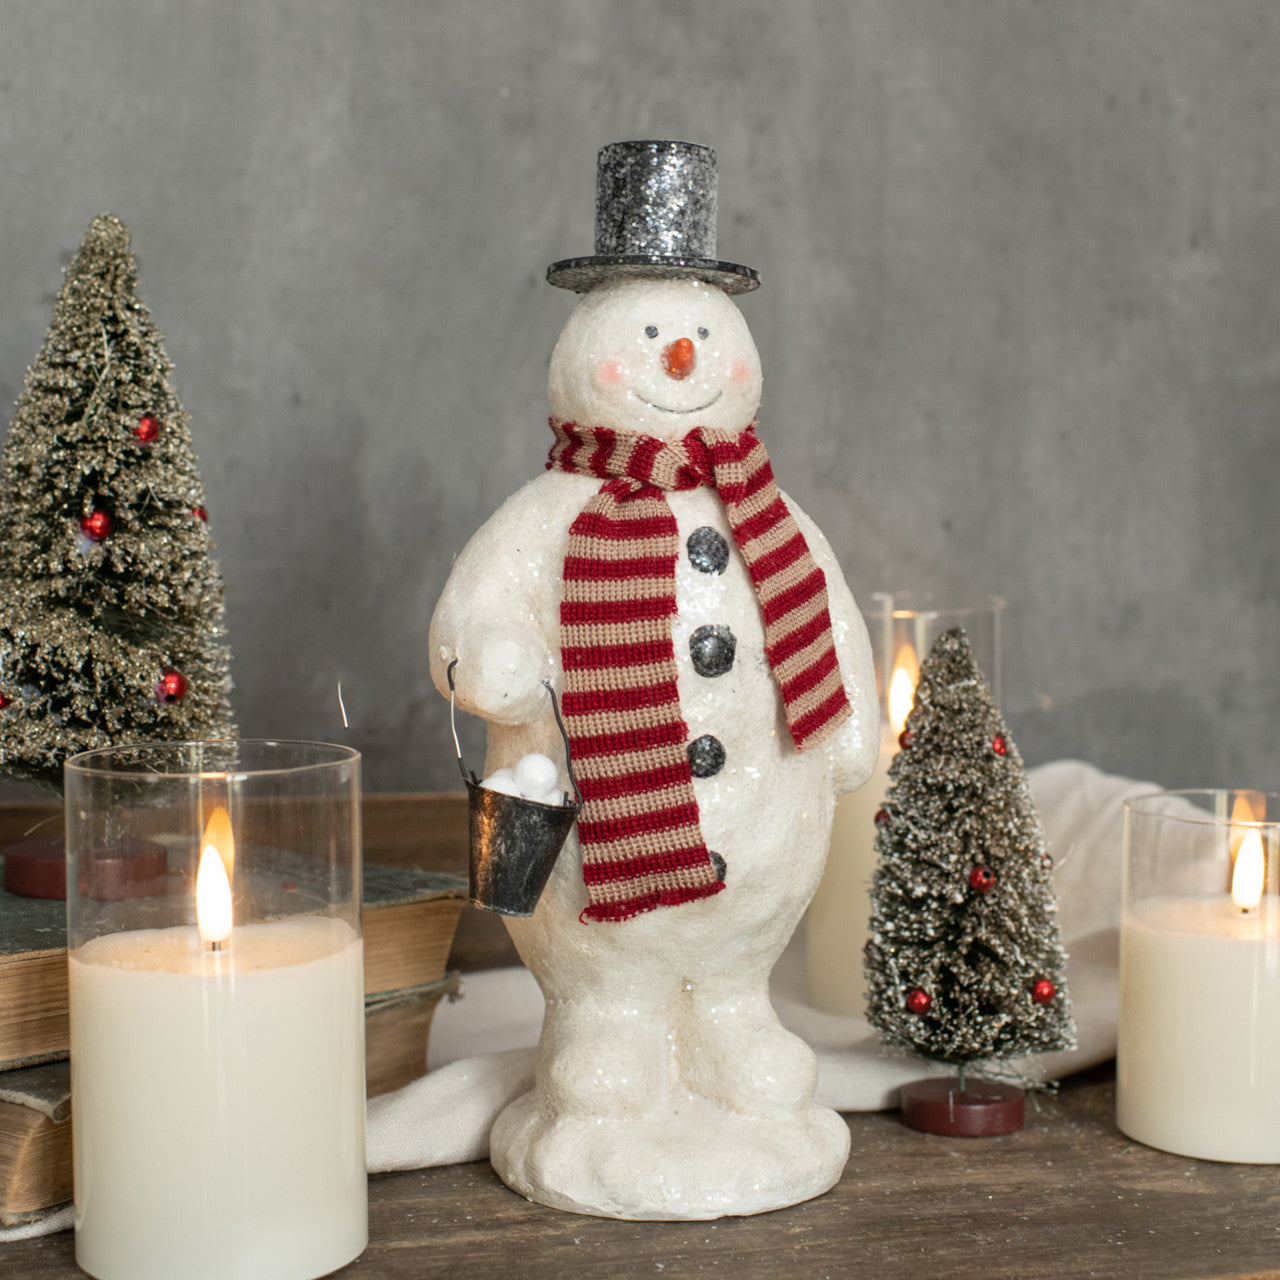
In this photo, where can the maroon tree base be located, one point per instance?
(982, 1110)
(38, 869)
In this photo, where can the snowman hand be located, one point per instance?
(500, 673)
(854, 753)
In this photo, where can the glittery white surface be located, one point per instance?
(666, 1086)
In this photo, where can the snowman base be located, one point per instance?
(698, 1161)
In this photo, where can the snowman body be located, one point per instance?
(665, 1087)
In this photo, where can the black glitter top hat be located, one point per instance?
(655, 216)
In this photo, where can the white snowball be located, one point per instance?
(555, 797)
(535, 775)
(502, 780)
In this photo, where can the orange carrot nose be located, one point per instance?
(679, 358)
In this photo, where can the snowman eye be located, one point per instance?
(704, 334)
(651, 331)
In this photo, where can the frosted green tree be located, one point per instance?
(111, 604)
(965, 959)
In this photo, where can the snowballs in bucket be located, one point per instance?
(533, 777)
(518, 822)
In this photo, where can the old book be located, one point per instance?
(33, 979)
(35, 1141)
(397, 1027)
(409, 920)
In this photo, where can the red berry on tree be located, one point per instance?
(982, 879)
(171, 687)
(918, 1000)
(1042, 991)
(200, 514)
(905, 739)
(97, 526)
(999, 745)
(882, 816)
(148, 428)
(5, 702)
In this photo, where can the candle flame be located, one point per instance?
(902, 687)
(213, 880)
(1247, 878)
(1247, 808)
(218, 833)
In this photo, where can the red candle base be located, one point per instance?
(38, 869)
(982, 1110)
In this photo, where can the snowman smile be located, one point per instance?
(662, 408)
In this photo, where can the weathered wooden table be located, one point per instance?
(1068, 1196)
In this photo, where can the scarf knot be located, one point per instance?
(639, 830)
(669, 465)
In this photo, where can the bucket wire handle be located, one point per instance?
(568, 763)
(555, 710)
(457, 746)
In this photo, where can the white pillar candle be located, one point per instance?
(839, 919)
(1198, 1063)
(840, 913)
(218, 1098)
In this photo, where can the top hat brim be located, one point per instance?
(581, 274)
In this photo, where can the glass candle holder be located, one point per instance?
(902, 627)
(1199, 1034)
(217, 1012)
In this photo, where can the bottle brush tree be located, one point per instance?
(965, 959)
(111, 604)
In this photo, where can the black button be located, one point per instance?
(712, 650)
(708, 551)
(706, 756)
(720, 865)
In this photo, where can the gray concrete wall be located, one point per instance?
(1020, 321)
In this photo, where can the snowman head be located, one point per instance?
(658, 356)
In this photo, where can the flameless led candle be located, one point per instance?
(1199, 1035)
(217, 1028)
(902, 628)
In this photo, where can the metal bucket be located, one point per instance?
(514, 841)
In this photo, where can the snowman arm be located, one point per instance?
(497, 613)
(856, 744)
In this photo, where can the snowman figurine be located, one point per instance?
(716, 686)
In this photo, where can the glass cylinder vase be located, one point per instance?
(902, 627)
(1199, 1035)
(217, 1022)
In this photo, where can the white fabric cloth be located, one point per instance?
(483, 1046)
(445, 1117)
(494, 1027)
(62, 1220)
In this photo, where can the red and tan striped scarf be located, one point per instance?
(642, 846)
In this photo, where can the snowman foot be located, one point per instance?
(693, 1161)
(736, 1052)
(603, 1058)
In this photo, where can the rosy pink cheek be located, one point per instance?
(740, 371)
(610, 373)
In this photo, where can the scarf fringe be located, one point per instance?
(632, 907)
